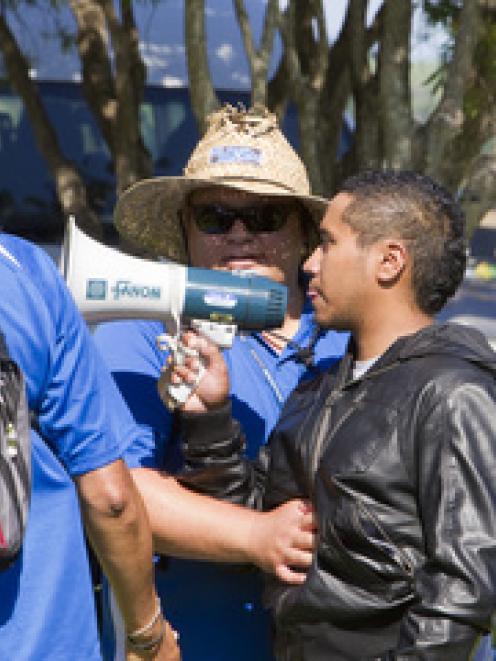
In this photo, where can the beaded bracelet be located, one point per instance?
(133, 639)
(147, 646)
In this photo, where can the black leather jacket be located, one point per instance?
(401, 467)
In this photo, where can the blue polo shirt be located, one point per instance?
(216, 608)
(46, 603)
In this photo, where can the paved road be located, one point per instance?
(474, 304)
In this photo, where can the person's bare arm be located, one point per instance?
(187, 524)
(118, 529)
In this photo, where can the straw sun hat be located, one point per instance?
(242, 150)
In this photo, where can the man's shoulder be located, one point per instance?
(449, 375)
(28, 289)
(15, 251)
(441, 368)
(28, 263)
(436, 383)
(445, 353)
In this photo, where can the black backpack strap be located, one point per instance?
(4, 355)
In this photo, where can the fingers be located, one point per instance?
(304, 541)
(201, 344)
(305, 505)
(200, 376)
(198, 353)
(294, 570)
(309, 521)
(287, 539)
(297, 551)
(290, 576)
(309, 518)
(298, 558)
(300, 513)
(185, 374)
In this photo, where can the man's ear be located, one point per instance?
(392, 257)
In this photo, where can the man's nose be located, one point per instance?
(238, 229)
(312, 264)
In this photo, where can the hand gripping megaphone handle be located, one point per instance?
(175, 395)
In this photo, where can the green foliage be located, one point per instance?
(442, 11)
(480, 98)
(437, 79)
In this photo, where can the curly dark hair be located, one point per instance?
(415, 208)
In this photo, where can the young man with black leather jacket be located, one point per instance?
(396, 447)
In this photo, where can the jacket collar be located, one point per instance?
(452, 339)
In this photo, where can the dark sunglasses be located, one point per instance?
(218, 219)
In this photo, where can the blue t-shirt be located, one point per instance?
(216, 608)
(46, 604)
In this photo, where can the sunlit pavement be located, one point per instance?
(475, 305)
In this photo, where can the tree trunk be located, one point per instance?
(367, 148)
(335, 95)
(277, 89)
(447, 120)
(394, 85)
(203, 97)
(307, 71)
(97, 79)
(71, 190)
(132, 161)
(258, 59)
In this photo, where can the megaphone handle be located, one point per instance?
(174, 395)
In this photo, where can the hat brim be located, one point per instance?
(146, 214)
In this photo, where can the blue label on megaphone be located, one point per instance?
(96, 290)
(220, 299)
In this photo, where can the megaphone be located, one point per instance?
(109, 284)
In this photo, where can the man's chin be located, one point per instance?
(330, 323)
(322, 321)
(320, 315)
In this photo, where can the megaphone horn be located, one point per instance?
(109, 284)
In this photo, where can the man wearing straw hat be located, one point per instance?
(244, 203)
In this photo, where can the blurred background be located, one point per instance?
(95, 95)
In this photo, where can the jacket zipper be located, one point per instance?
(324, 426)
